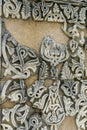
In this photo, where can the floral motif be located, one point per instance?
(57, 92)
(18, 55)
(53, 52)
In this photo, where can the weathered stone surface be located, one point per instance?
(40, 105)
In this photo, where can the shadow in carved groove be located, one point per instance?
(67, 94)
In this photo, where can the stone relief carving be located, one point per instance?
(18, 55)
(40, 106)
(73, 12)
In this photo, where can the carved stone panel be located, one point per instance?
(60, 86)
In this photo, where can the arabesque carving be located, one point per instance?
(40, 106)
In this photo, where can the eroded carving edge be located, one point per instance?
(67, 94)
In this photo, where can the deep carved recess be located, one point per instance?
(38, 106)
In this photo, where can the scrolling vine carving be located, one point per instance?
(39, 106)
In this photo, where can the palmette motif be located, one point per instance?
(61, 86)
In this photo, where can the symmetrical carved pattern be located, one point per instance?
(73, 13)
(40, 106)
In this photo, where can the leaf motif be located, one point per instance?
(65, 73)
(6, 127)
(43, 71)
(15, 96)
(41, 102)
